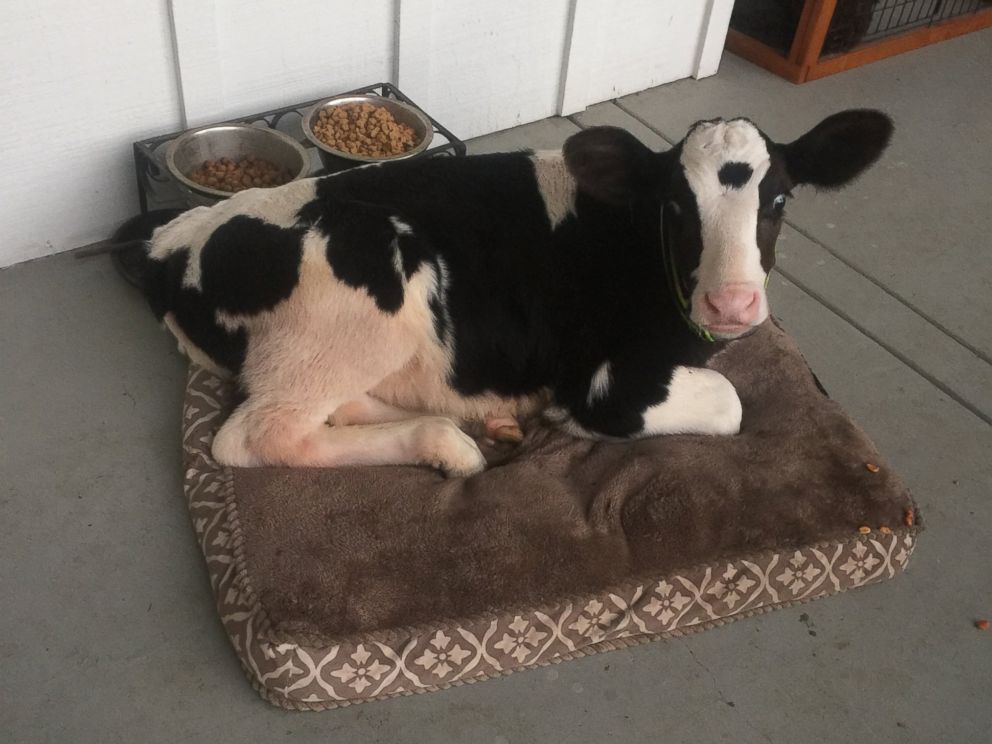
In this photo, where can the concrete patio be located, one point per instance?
(108, 633)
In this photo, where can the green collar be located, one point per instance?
(675, 286)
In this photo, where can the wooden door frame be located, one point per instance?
(804, 63)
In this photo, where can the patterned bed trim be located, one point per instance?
(313, 673)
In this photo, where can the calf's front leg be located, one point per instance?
(693, 401)
(366, 409)
(259, 434)
(700, 401)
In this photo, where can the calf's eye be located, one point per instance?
(779, 201)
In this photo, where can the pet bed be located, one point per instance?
(343, 586)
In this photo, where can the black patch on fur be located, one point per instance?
(735, 175)
(193, 312)
(683, 229)
(414, 252)
(248, 265)
(361, 247)
(769, 226)
(163, 280)
(441, 329)
(774, 184)
(196, 316)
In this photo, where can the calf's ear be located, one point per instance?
(611, 164)
(839, 148)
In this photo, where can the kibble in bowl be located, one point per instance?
(237, 175)
(349, 130)
(363, 129)
(215, 162)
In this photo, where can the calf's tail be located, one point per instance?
(128, 247)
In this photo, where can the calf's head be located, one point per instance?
(720, 194)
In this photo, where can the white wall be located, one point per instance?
(615, 48)
(636, 45)
(81, 81)
(478, 67)
(250, 55)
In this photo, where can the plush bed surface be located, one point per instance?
(338, 586)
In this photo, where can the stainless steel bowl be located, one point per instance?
(234, 141)
(335, 160)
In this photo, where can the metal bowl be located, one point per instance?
(234, 141)
(335, 160)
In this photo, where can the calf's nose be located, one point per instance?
(733, 304)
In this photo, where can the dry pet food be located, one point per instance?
(230, 175)
(363, 129)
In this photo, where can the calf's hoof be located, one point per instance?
(504, 429)
(446, 447)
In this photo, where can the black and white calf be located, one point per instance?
(365, 313)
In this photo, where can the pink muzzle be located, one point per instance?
(731, 308)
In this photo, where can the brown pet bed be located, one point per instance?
(340, 586)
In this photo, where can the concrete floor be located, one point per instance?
(107, 630)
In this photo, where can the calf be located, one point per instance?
(365, 313)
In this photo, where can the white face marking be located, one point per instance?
(729, 216)
(556, 185)
(192, 229)
(600, 384)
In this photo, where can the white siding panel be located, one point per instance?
(79, 83)
(714, 36)
(479, 66)
(276, 53)
(197, 50)
(639, 44)
(581, 37)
